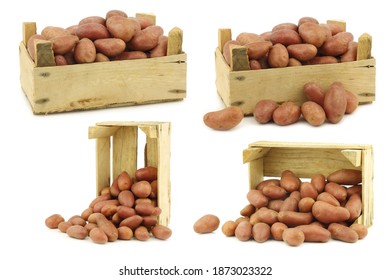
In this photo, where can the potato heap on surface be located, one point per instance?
(97, 39)
(307, 42)
(297, 211)
(320, 106)
(126, 209)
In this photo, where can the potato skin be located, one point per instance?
(287, 113)
(229, 227)
(289, 181)
(122, 27)
(258, 49)
(313, 92)
(360, 229)
(337, 44)
(110, 46)
(293, 219)
(261, 232)
(314, 233)
(302, 52)
(206, 224)
(343, 233)
(264, 110)
(243, 231)
(285, 37)
(278, 56)
(92, 31)
(346, 176)
(224, 119)
(354, 206)
(257, 198)
(313, 113)
(63, 44)
(327, 213)
(293, 236)
(147, 173)
(312, 33)
(277, 230)
(54, 220)
(98, 236)
(161, 232)
(146, 39)
(335, 103)
(77, 231)
(85, 51)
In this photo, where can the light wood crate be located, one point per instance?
(239, 86)
(54, 89)
(122, 137)
(270, 159)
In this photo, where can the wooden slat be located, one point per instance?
(254, 153)
(163, 163)
(368, 188)
(256, 174)
(224, 35)
(239, 58)
(364, 47)
(175, 41)
(125, 142)
(44, 55)
(150, 16)
(29, 29)
(103, 166)
(101, 131)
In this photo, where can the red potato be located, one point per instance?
(354, 206)
(50, 32)
(278, 56)
(285, 37)
(224, 119)
(277, 230)
(286, 25)
(294, 62)
(161, 232)
(289, 181)
(351, 53)
(302, 52)
(110, 46)
(147, 173)
(246, 38)
(97, 19)
(261, 232)
(312, 33)
(352, 102)
(77, 231)
(346, 176)
(85, 51)
(293, 219)
(243, 231)
(101, 58)
(313, 113)
(53, 221)
(264, 110)
(313, 92)
(254, 64)
(161, 48)
(206, 224)
(229, 227)
(92, 31)
(337, 44)
(319, 182)
(287, 113)
(293, 236)
(146, 39)
(335, 103)
(257, 198)
(327, 213)
(122, 27)
(63, 44)
(343, 233)
(314, 233)
(338, 191)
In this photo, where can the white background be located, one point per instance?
(48, 163)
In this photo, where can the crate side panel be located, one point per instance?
(222, 77)
(304, 162)
(26, 73)
(248, 87)
(368, 189)
(103, 164)
(256, 172)
(124, 151)
(164, 181)
(109, 84)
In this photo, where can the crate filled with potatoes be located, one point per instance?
(275, 65)
(101, 61)
(306, 192)
(132, 196)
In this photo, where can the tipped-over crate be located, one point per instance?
(270, 159)
(54, 89)
(239, 86)
(122, 137)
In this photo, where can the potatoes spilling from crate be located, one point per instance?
(307, 42)
(116, 36)
(320, 106)
(126, 209)
(296, 210)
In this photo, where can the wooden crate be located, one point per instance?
(53, 89)
(269, 159)
(122, 137)
(244, 88)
